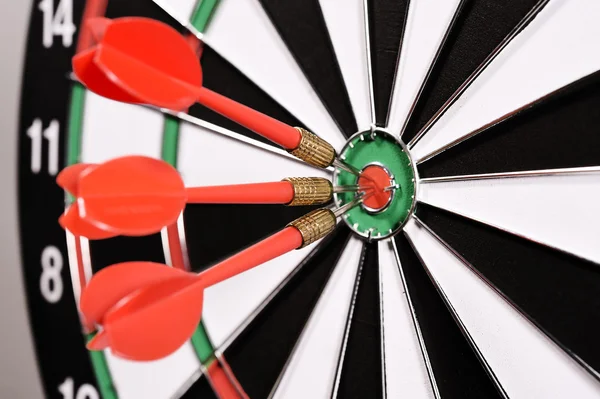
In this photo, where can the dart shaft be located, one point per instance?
(292, 191)
(348, 168)
(298, 141)
(350, 205)
(256, 193)
(270, 248)
(346, 189)
(272, 129)
(298, 234)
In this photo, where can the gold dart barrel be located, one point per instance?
(314, 150)
(314, 225)
(310, 190)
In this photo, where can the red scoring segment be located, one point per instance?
(148, 310)
(375, 179)
(137, 195)
(143, 61)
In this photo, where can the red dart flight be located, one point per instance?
(132, 195)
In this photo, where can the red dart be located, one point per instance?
(138, 195)
(148, 311)
(144, 61)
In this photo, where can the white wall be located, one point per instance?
(18, 373)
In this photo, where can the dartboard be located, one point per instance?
(474, 273)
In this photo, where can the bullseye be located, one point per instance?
(376, 179)
(387, 177)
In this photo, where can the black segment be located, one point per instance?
(200, 389)
(302, 27)
(258, 355)
(361, 371)
(223, 78)
(126, 249)
(457, 370)
(387, 20)
(558, 132)
(559, 292)
(56, 331)
(214, 232)
(141, 8)
(478, 30)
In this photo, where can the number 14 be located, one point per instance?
(59, 23)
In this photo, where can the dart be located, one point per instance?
(138, 195)
(148, 310)
(132, 62)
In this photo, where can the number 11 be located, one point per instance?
(51, 134)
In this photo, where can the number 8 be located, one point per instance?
(51, 284)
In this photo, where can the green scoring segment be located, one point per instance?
(377, 148)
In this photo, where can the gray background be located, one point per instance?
(18, 373)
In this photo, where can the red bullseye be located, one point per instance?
(376, 179)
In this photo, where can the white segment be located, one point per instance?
(112, 129)
(345, 21)
(241, 32)
(405, 370)
(208, 158)
(427, 24)
(560, 211)
(311, 372)
(73, 266)
(87, 261)
(181, 10)
(164, 238)
(228, 304)
(558, 47)
(526, 362)
(158, 379)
